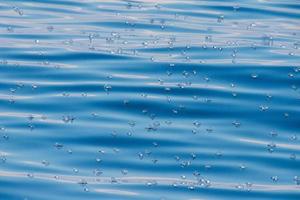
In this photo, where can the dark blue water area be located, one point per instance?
(149, 100)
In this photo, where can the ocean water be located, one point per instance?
(149, 100)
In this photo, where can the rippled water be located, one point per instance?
(165, 100)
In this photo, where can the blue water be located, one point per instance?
(149, 100)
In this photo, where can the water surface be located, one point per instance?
(166, 100)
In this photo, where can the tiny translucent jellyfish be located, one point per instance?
(101, 151)
(50, 28)
(116, 150)
(82, 182)
(207, 166)
(113, 180)
(209, 130)
(219, 154)
(34, 86)
(107, 88)
(124, 171)
(141, 155)
(58, 145)
(294, 137)
(185, 164)
(45, 163)
(191, 186)
(220, 18)
(263, 108)
(75, 170)
(2, 159)
(273, 134)
(30, 117)
(248, 186)
(151, 183)
(297, 180)
(129, 133)
(236, 124)
(194, 156)
(239, 186)
(10, 29)
(196, 173)
(196, 124)
(126, 102)
(68, 119)
(271, 147)
(293, 156)
(236, 7)
(30, 175)
(274, 178)
(97, 172)
(208, 38)
(18, 10)
(177, 158)
(267, 40)
(254, 76)
(131, 123)
(242, 167)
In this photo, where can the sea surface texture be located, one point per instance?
(149, 100)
